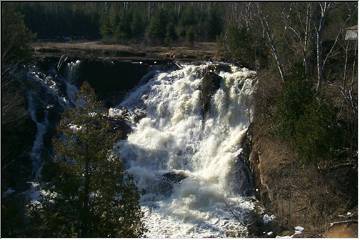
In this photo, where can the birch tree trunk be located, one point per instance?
(266, 27)
(324, 7)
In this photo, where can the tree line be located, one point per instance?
(153, 22)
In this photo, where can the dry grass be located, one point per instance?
(199, 51)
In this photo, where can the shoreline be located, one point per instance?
(199, 51)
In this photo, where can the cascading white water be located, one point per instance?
(47, 93)
(71, 77)
(38, 144)
(173, 141)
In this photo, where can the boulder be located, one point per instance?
(220, 67)
(209, 85)
(174, 177)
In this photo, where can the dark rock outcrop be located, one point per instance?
(209, 85)
(121, 125)
(241, 179)
(174, 177)
(168, 180)
(220, 67)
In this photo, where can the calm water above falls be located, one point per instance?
(187, 165)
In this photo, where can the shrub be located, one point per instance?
(315, 133)
(307, 120)
(296, 95)
(15, 36)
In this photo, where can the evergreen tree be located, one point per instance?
(241, 45)
(215, 23)
(15, 36)
(123, 27)
(106, 28)
(190, 36)
(157, 27)
(90, 195)
(170, 33)
(138, 25)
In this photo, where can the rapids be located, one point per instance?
(185, 164)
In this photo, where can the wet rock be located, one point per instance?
(138, 115)
(240, 177)
(209, 85)
(257, 227)
(220, 67)
(174, 177)
(123, 113)
(167, 181)
(120, 125)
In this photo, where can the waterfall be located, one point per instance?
(41, 127)
(71, 78)
(45, 94)
(184, 163)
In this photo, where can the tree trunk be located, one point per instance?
(319, 61)
(324, 8)
(85, 208)
(271, 42)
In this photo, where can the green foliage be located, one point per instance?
(296, 95)
(307, 121)
(171, 35)
(316, 137)
(15, 36)
(138, 25)
(157, 25)
(214, 23)
(123, 28)
(241, 45)
(190, 35)
(106, 28)
(56, 20)
(125, 21)
(90, 195)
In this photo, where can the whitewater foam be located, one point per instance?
(174, 138)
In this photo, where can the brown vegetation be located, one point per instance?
(199, 51)
(297, 194)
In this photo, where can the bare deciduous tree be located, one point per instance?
(270, 40)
